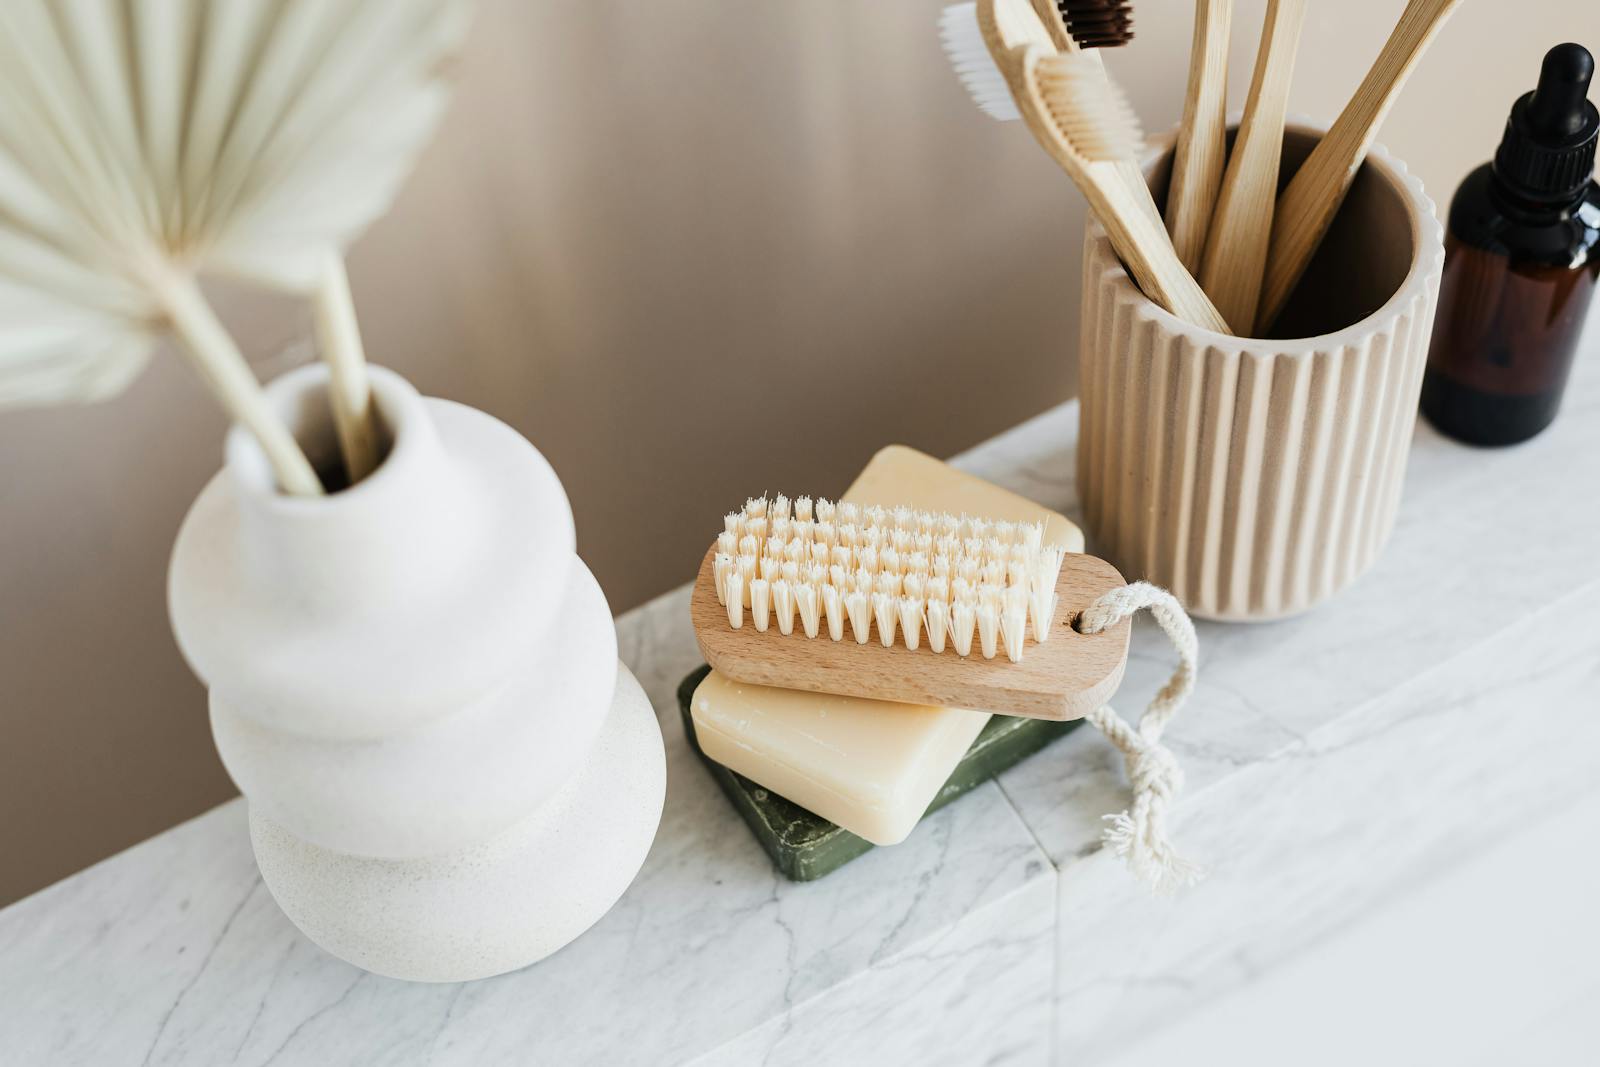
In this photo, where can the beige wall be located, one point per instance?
(691, 250)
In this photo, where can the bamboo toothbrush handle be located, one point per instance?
(1202, 138)
(1236, 248)
(1308, 205)
(1133, 177)
(1132, 173)
(1134, 227)
(1116, 192)
(1055, 25)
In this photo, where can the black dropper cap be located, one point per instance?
(1547, 152)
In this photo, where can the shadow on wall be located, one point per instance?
(757, 223)
(693, 252)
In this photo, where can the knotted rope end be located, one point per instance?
(1139, 834)
(1153, 861)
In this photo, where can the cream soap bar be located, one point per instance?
(872, 766)
(901, 475)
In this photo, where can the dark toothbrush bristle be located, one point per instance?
(1098, 23)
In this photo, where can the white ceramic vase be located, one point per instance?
(415, 684)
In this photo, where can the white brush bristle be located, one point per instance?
(1089, 109)
(913, 577)
(969, 55)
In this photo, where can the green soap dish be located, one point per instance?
(805, 846)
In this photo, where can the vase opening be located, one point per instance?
(301, 400)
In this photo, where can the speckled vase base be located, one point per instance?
(498, 906)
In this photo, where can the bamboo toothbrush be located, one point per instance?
(1241, 225)
(1308, 205)
(1087, 26)
(898, 604)
(1202, 148)
(1085, 124)
(1006, 59)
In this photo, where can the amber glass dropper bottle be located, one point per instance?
(1521, 261)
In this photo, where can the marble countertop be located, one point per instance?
(1333, 761)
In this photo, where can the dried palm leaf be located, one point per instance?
(145, 141)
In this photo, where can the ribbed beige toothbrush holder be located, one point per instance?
(1255, 478)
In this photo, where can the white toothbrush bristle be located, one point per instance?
(1091, 111)
(906, 575)
(974, 66)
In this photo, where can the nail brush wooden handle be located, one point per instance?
(1065, 677)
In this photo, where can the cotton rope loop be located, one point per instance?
(1140, 833)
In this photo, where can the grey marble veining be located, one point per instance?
(1336, 759)
(174, 953)
(1333, 761)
